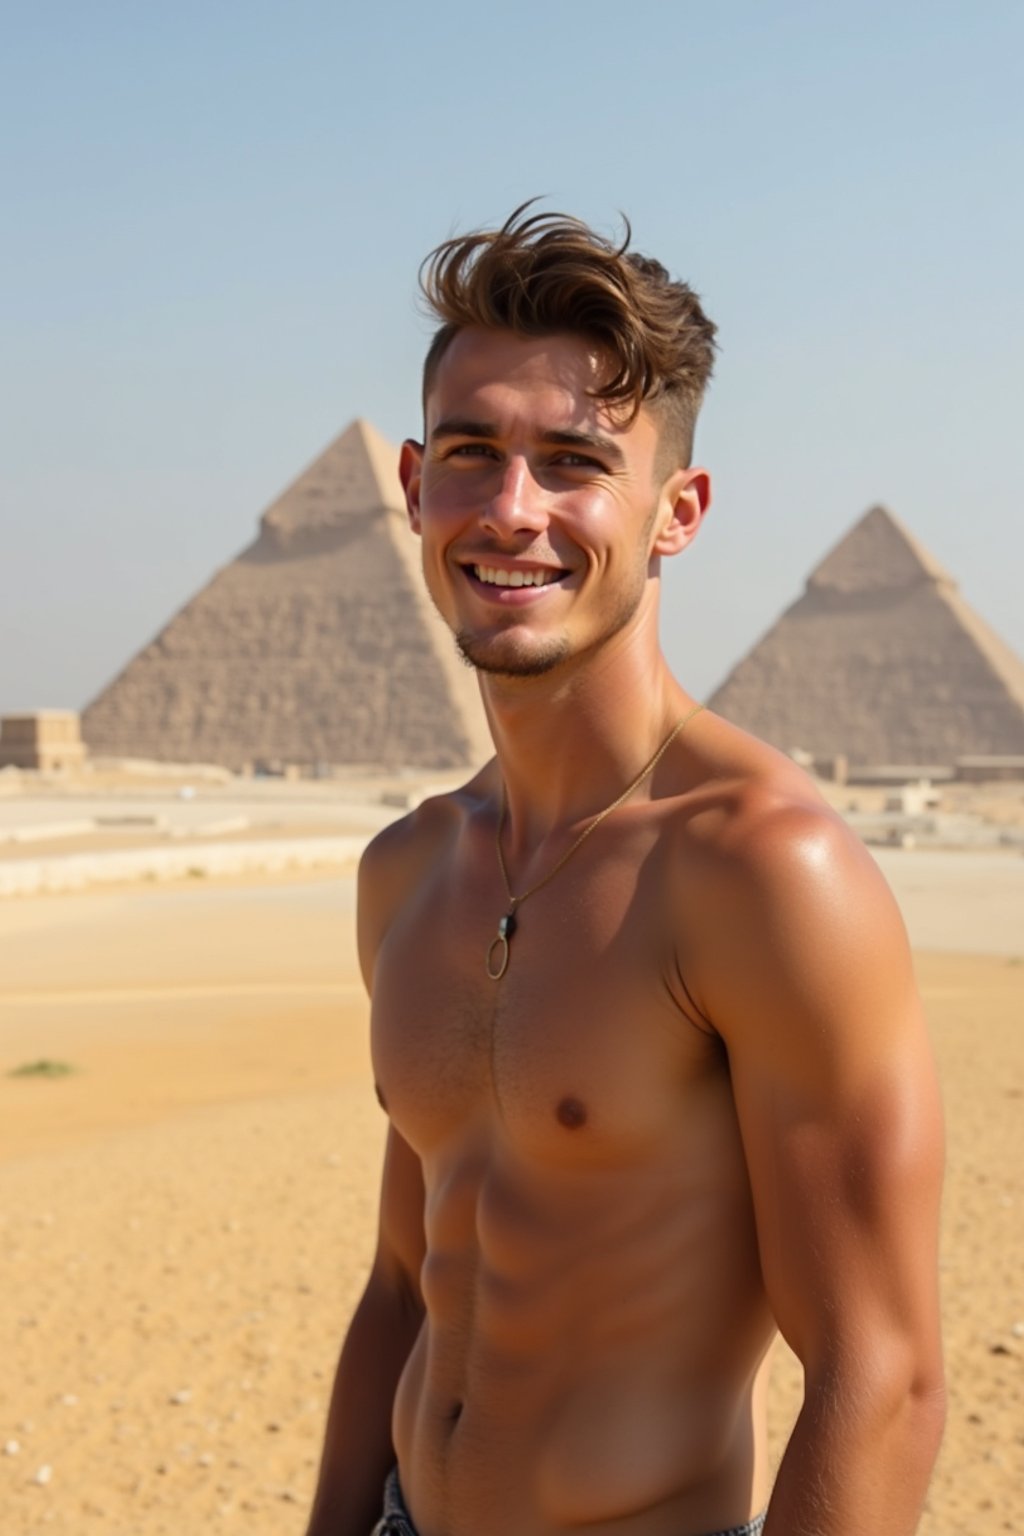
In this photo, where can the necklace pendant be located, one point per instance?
(498, 951)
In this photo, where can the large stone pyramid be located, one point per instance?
(881, 660)
(317, 644)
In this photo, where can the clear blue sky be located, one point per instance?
(213, 214)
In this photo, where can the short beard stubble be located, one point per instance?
(527, 664)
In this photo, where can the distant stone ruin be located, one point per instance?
(47, 739)
(880, 661)
(316, 646)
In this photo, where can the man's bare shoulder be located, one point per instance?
(789, 896)
(398, 857)
(751, 801)
(411, 840)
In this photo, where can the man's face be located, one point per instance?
(541, 514)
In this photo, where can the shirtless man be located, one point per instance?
(684, 1098)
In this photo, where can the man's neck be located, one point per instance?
(569, 742)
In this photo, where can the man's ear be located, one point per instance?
(685, 498)
(410, 472)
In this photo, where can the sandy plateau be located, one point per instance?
(186, 1218)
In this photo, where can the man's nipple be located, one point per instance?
(572, 1113)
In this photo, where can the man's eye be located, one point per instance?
(471, 451)
(578, 461)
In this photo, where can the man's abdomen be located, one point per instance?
(606, 1379)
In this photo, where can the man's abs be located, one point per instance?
(588, 1356)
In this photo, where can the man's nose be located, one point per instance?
(518, 502)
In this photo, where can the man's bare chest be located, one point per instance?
(580, 1049)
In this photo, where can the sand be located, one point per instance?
(187, 1218)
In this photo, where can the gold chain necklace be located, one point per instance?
(498, 949)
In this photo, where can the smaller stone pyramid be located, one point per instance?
(316, 645)
(880, 659)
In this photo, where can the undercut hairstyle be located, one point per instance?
(544, 274)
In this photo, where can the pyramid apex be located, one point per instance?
(877, 554)
(355, 475)
(362, 428)
(879, 661)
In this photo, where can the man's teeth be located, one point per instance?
(499, 578)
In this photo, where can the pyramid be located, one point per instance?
(880, 659)
(316, 645)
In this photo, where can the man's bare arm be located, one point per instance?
(835, 1090)
(358, 1451)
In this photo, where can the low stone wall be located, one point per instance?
(74, 872)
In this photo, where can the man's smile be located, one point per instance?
(498, 576)
(512, 583)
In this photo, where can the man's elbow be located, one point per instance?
(926, 1409)
(911, 1399)
(894, 1390)
(919, 1379)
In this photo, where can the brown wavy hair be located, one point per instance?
(545, 273)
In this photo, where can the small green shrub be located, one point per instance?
(42, 1068)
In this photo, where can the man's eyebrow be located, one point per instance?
(592, 442)
(463, 426)
(584, 440)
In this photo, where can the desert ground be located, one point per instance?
(187, 1215)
